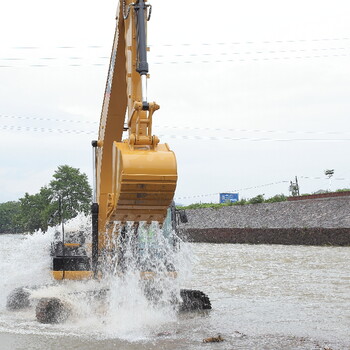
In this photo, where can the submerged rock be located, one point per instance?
(217, 339)
(18, 299)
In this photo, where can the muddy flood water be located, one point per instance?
(263, 297)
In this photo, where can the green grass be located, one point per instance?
(255, 200)
(343, 190)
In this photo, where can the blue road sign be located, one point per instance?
(228, 197)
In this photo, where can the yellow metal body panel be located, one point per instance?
(145, 181)
(72, 244)
(81, 275)
(136, 178)
(72, 275)
(112, 121)
(150, 275)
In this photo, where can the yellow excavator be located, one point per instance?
(134, 178)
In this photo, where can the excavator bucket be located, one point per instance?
(145, 182)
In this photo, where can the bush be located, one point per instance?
(243, 201)
(276, 198)
(343, 190)
(258, 199)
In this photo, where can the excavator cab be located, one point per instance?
(148, 244)
(155, 246)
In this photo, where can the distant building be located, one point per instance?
(228, 197)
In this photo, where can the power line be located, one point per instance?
(263, 139)
(45, 130)
(49, 119)
(254, 52)
(315, 40)
(252, 130)
(252, 187)
(186, 62)
(322, 178)
(234, 191)
(186, 128)
(254, 42)
(54, 58)
(253, 59)
(46, 65)
(56, 47)
(196, 54)
(183, 137)
(75, 58)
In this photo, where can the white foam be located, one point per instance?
(126, 313)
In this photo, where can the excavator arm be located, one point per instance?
(134, 178)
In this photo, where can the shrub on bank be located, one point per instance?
(255, 200)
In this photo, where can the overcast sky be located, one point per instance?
(252, 93)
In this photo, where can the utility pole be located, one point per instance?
(329, 173)
(294, 187)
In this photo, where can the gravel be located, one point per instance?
(325, 212)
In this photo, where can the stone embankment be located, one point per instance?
(323, 221)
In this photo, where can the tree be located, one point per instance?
(72, 189)
(36, 210)
(10, 217)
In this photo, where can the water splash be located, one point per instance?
(142, 278)
(133, 307)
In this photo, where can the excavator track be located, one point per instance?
(52, 310)
(194, 300)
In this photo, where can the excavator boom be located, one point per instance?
(135, 178)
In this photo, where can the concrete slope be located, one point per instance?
(325, 213)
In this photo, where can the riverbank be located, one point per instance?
(324, 221)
